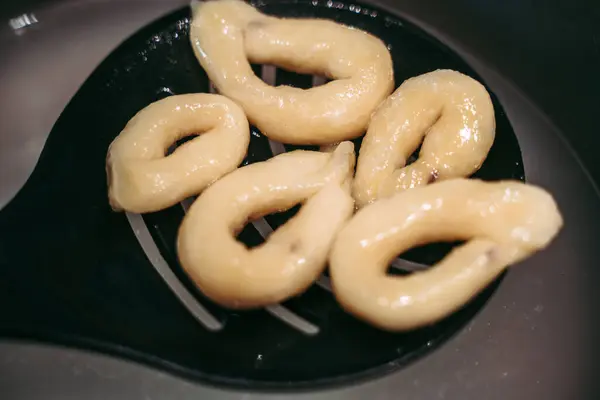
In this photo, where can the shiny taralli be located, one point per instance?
(451, 114)
(141, 179)
(399, 206)
(294, 255)
(227, 35)
(503, 223)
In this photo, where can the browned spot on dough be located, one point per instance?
(491, 254)
(295, 246)
(433, 177)
(253, 25)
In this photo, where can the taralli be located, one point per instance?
(503, 223)
(294, 255)
(228, 34)
(450, 113)
(141, 179)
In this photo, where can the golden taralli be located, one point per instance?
(141, 179)
(502, 222)
(400, 206)
(294, 255)
(450, 113)
(227, 35)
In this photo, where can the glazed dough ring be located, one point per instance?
(141, 179)
(450, 113)
(225, 34)
(294, 255)
(503, 223)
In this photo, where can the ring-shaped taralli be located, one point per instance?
(502, 222)
(294, 255)
(142, 179)
(228, 34)
(450, 113)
